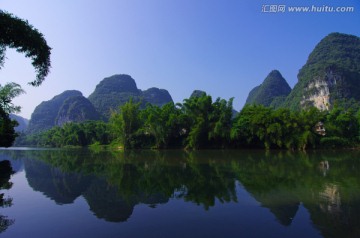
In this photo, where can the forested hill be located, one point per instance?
(156, 96)
(45, 114)
(331, 74)
(76, 109)
(116, 90)
(197, 93)
(271, 91)
(110, 93)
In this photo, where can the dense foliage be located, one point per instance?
(7, 93)
(201, 123)
(273, 87)
(7, 125)
(19, 34)
(7, 129)
(70, 134)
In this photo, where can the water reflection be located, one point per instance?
(114, 183)
(5, 173)
(61, 186)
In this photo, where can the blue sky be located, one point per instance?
(222, 47)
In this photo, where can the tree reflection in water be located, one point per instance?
(113, 183)
(5, 174)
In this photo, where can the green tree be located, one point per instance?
(259, 126)
(20, 35)
(281, 128)
(7, 131)
(198, 109)
(165, 124)
(209, 123)
(154, 124)
(342, 123)
(305, 133)
(96, 131)
(251, 126)
(342, 128)
(7, 93)
(221, 122)
(126, 124)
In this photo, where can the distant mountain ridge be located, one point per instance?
(45, 114)
(331, 74)
(109, 94)
(116, 90)
(23, 122)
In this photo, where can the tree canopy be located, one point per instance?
(20, 35)
(7, 93)
(201, 123)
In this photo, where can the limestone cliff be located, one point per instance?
(331, 74)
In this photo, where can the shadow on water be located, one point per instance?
(326, 183)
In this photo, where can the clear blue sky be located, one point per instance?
(224, 47)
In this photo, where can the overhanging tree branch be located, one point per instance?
(20, 35)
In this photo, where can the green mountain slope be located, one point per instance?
(156, 96)
(197, 93)
(110, 93)
(44, 115)
(69, 106)
(331, 73)
(76, 109)
(116, 90)
(270, 91)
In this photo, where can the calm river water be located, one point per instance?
(83, 193)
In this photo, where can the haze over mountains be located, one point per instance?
(331, 74)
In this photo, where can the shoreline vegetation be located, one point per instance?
(201, 123)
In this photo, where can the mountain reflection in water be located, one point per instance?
(327, 184)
